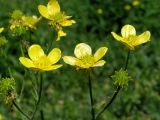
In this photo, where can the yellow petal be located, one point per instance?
(100, 53)
(128, 30)
(82, 50)
(53, 67)
(70, 60)
(44, 12)
(26, 62)
(35, 52)
(67, 23)
(143, 38)
(61, 33)
(67, 17)
(117, 37)
(54, 55)
(1, 29)
(99, 63)
(53, 7)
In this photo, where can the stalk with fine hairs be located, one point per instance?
(116, 92)
(39, 97)
(21, 111)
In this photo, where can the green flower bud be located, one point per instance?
(17, 14)
(121, 77)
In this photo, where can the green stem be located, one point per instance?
(117, 91)
(42, 114)
(91, 96)
(23, 84)
(21, 48)
(35, 85)
(39, 99)
(21, 111)
(30, 36)
(127, 60)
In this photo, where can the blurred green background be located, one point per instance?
(65, 91)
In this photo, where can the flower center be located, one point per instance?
(86, 61)
(42, 62)
(130, 40)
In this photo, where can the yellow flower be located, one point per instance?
(129, 37)
(30, 21)
(84, 58)
(1, 29)
(51, 10)
(136, 2)
(39, 60)
(57, 18)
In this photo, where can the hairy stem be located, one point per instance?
(21, 111)
(39, 99)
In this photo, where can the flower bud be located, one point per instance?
(121, 77)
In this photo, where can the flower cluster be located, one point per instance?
(20, 22)
(84, 58)
(58, 19)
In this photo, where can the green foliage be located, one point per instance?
(3, 41)
(7, 90)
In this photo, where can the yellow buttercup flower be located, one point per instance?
(30, 21)
(39, 60)
(57, 18)
(1, 29)
(84, 58)
(129, 37)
